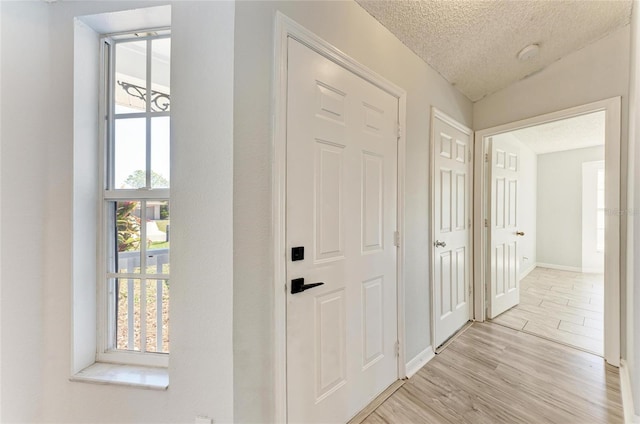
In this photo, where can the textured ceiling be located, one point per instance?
(474, 44)
(567, 134)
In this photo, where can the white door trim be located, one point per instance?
(437, 113)
(611, 107)
(285, 28)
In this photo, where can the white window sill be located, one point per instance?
(124, 375)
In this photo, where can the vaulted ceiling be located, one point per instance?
(474, 44)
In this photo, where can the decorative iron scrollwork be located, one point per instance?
(160, 101)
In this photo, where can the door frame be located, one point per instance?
(612, 109)
(437, 113)
(285, 28)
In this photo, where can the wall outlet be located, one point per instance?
(203, 420)
(525, 259)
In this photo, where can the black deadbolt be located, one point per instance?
(297, 253)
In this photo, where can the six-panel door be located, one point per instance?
(505, 282)
(452, 199)
(341, 206)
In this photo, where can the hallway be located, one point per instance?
(494, 374)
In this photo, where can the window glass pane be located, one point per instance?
(128, 314)
(127, 233)
(131, 74)
(158, 233)
(125, 109)
(600, 240)
(160, 74)
(111, 244)
(600, 179)
(600, 199)
(157, 316)
(160, 129)
(600, 218)
(600, 213)
(130, 162)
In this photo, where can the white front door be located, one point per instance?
(504, 161)
(452, 250)
(341, 208)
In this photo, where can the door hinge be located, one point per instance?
(396, 238)
(470, 155)
(486, 157)
(398, 130)
(486, 222)
(397, 347)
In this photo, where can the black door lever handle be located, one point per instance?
(298, 285)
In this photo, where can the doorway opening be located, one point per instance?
(560, 216)
(547, 239)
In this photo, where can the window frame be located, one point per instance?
(106, 350)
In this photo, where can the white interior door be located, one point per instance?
(504, 162)
(341, 207)
(452, 249)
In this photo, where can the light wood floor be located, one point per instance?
(493, 374)
(560, 305)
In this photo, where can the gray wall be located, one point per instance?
(25, 65)
(560, 205)
(351, 29)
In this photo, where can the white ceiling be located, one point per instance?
(474, 44)
(568, 134)
(129, 20)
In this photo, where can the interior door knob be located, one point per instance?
(519, 233)
(440, 244)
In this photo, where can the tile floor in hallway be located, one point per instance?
(563, 306)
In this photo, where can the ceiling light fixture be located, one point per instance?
(529, 52)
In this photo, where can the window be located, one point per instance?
(135, 241)
(600, 211)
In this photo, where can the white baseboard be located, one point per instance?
(627, 395)
(528, 271)
(420, 360)
(560, 267)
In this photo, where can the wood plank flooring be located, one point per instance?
(564, 306)
(493, 374)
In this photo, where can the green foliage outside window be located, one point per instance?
(128, 225)
(138, 179)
